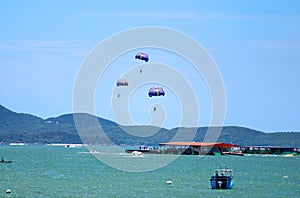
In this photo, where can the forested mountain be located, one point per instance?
(26, 128)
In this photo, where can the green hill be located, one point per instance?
(21, 127)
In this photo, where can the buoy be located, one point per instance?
(8, 191)
(169, 182)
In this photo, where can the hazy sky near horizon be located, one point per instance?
(255, 45)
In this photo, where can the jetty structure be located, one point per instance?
(267, 150)
(212, 148)
(199, 148)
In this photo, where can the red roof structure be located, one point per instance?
(200, 144)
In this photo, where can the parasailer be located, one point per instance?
(142, 56)
(156, 91)
(122, 82)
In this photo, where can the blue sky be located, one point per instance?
(255, 44)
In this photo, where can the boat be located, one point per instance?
(289, 155)
(94, 151)
(137, 154)
(5, 161)
(222, 178)
(233, 153)
(144, 149)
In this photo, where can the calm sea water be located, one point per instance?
(44, 171)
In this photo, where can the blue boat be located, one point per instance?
(222, 178)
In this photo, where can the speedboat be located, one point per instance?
(94, 151)
(5, 161)
(138, 154)
(222, 178)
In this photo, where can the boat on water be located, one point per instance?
(288, 155)
(222, 178)
(144, 149)
(233, 153)
(5, 161)
(94, 151)
(137, 154)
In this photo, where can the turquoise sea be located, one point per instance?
(48, 171)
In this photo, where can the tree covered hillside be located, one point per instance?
(21, 127)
